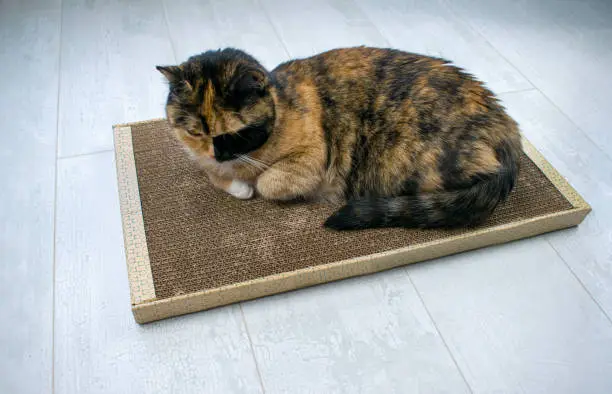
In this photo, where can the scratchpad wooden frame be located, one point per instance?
(146, 307)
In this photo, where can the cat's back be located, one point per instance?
(351, 76)
(356, 64)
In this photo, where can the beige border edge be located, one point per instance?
(207, 299)
(119, 125)
(146, 309)
(134, 238)
(554, 176)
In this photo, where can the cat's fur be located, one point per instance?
(407, 140)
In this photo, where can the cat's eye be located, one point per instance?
(195, 133)
(204, 125)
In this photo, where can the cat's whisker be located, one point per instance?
(251, 165)
(244, 159)
(256, 162)
(267, 167)
(263, 163)
(259, 164)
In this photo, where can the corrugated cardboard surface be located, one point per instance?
(200, 238)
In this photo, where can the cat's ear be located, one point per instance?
(172, 73)
(250, 81)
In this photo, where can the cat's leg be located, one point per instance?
(235, 187)
(298, 176)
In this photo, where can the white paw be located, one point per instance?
(241, 190)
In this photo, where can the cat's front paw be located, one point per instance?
(241, 190)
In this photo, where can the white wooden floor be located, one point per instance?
(528, 317)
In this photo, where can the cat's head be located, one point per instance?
(219, 103)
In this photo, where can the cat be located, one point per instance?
(400, 139)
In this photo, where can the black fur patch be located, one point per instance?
(509, 169)
(229, 146)
(286, 91)
(355, 215)
(391, 137)
(449, 86)
(428, 123)
(359, 157)
(449, 167)
(411, 185)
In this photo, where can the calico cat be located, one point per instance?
(403, 140)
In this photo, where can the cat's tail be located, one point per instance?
(463, 207)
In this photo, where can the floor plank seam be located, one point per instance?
(165, 12)
(77, 155)
(274, 29)
(371, 22)
(55, 187)
(248, 334)
(532, 89)
(580, 282)
(433, 322)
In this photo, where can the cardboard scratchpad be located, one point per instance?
(190, 247)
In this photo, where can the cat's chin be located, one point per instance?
(208, 161)
(222, 168)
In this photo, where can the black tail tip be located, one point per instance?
(335, 222)
(345, 219)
